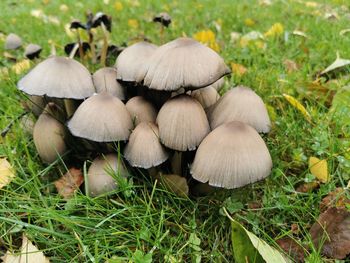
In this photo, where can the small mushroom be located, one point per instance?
(144, 149)
(240, 104)
(131, 59)
(163, 18)
(13, 42)
(174, 183)
(70, 46)
(182, 63)
(105, 79)
(141, 110)
(231, 156)
(101, 118)
(32, 51)
(49, 134)
(182, 123)
(218, 84)
(206, 96)
(102, 172)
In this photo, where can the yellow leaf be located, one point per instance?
(6, 173)
(64, 8)
(118, 6)
(238, 69)
(133, 23)
(276, 30)
(311, 4)
(69, 32)
(21, 66)
(249, 22)
(29, 253)
(208, 38)
(319, 169)
(296, 104)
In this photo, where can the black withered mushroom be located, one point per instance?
(32, 51)
(70, 46)
(163, 18)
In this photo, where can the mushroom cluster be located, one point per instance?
(157, 111)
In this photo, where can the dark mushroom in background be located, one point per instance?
(12, 42)
(70, 46)
(164, 19)
(32, 51)
(231, 156)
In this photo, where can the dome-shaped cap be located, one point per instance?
(218, 84)
(101, 118)
(99, 176)
(105, 79)
(132, 58)
(32, 51)
(144, 149)
(182, 63)
(58, 77)
(240, 104)
(13, 41)
(141, 110)
(182, 123)
(206, 96)
(231, 156)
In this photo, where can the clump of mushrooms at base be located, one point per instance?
(156, 112)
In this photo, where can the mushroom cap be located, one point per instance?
(32, 51)
(99, 174)
(58, 77)
(182, 123)
(105, 79)
(163, 18)
(101, 118)
(13, 41)
(231, 156)
(218, 84)
(206, 96)
(48, 136)
(141, 110)
(131, 59)
(144, 149)
(182, 63)
(240, 104)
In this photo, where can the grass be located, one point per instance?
(140, 218)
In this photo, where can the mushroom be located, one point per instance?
(32, 51)
(102, 172)
(240, 104)
(164, 20)
(144, 149)
(83, 48)
(218, 84)
(49, 134)
(182, 123)
(59, 77)
(182, 63)
(206, 96)
(105, 79)
(231, 156)
(131, 59)
(141, 110)
(13, 41)
(174, 183)
(101, 118)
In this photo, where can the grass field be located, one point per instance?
(143, 219)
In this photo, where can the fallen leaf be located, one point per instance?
(238, 69)
(247, 247)
(276, 29)
(292, 248)
(332, 233)
(311, 4)
(290, 65)
(307, 187)
(319, 169)
(6, 172)
(337, 64)
(296, 104)
(344, 31)
(249, 22)
(337, 198)
(208, 38)
(299, 33)
(118, 6)
(69, 182)
(64, 8)
(235, 36)
(29, 254)
(133, 23)
(21, 66)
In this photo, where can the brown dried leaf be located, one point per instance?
(290, 65)
(336, 198)
(332, 232)
(69, 182)
(292, 248)
(307, 187)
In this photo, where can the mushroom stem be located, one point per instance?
(70, 107)
(153, 172)
(176, 163)
(105, 45)
(161, 34)
(74, 50)
(92, 46)
(81, 50)
(53, 49)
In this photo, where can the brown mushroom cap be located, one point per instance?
(101, 118)
(130, 60)
(240, 104)
(231, 156)
(182, 123)
(141, 110)
(182, 63)
(105, 79)
(206, 96)
(48, 136)
(144, 149)
(13, 41)
(99, 176)
(58, 77)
